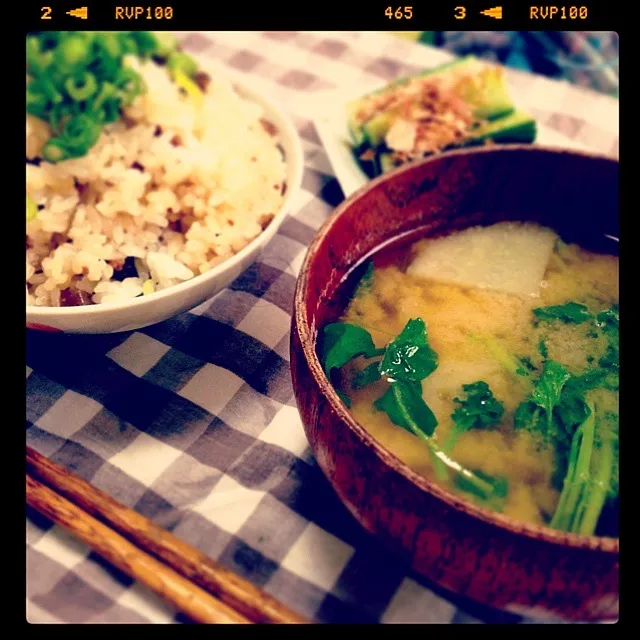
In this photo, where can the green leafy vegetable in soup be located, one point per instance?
(406, 361)
(479, 410)
(509, 400)
(570, 312)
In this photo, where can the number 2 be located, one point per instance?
(46, 13)
(460, 13)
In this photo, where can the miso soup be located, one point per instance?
(487, 360)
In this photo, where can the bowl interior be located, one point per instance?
(576, 194)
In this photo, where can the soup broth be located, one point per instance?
(538, 417)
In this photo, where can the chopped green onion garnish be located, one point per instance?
(80, 133)
(130, 84)
(60, 113)
(127, 43)
(146, 41)
(82, 86)
(71, 52)
(53, 151)
(179, 61)
(78, 82)
(166, 44)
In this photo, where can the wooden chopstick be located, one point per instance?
(248, 600)
(188, 598)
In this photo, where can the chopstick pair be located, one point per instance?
(183, 576)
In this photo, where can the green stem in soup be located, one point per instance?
(405, 407)
(465, 479)
(576, 481)
(499, 484)
(543, 349)
(600, 490)
(590, 478)
(512, 364)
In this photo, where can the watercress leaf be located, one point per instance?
(387, 403)
(549, 387)
(593, 379)
(409, 356)
(528, 416)
(571, 313)
(367, 376)
(479, 410)
(611, 357)
(343, 342)
(609, 320)
(572, 411)
(405, 406)
(413, 407)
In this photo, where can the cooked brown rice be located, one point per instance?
(172, 189)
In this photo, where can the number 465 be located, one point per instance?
(399, 13)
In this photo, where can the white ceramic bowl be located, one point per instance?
(160, 305)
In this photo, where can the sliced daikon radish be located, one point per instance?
(510, 257)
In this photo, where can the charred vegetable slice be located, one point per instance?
(481, 87)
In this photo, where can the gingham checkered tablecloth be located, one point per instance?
(193, 423)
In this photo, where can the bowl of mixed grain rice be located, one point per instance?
(174, 201)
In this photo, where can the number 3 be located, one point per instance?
(460, 13)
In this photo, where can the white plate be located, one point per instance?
(329, 116)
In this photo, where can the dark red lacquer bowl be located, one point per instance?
(485, 556)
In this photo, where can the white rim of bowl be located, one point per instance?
(295, 165)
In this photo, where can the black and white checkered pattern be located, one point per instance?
(192, 422)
